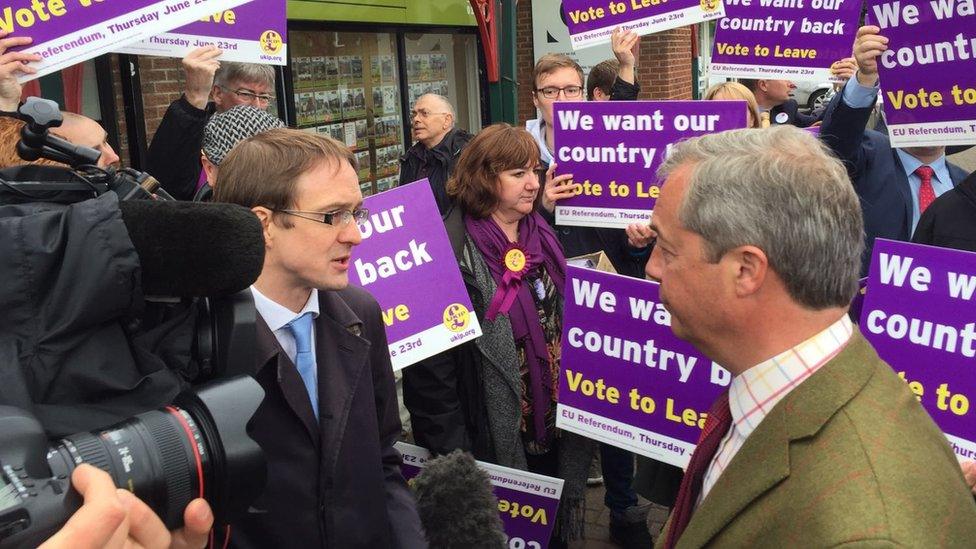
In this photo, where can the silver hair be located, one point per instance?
(448, 107)
(778, 189)
(231, 71)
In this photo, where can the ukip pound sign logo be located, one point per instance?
(271, 42)
(456, 317)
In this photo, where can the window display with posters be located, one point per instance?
(346, 86)
(446, 64)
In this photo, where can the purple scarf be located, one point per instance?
(540, 247)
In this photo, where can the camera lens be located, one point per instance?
(196, 448)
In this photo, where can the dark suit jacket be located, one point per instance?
(950, 222)
(848, 458)
(793, 115)
(335, 483)
(877, 173)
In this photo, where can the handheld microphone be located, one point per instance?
(456, 504)
(193, 249)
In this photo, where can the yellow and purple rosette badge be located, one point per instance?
(515, 260)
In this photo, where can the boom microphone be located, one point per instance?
(456, 504)
(194, 249)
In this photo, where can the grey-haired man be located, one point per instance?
(174, 154)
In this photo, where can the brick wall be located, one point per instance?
(162, 83)
(663, 67)
(123, 144)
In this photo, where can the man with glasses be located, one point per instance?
(330, 416)
(438, 146)
(559, 78)
(174, 154)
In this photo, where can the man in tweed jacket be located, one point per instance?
(817, 442)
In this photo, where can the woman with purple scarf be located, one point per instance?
(496, 396)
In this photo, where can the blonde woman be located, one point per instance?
(733, 91)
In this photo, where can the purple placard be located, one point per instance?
(252, 33)
(613, 149)
(406, 262)
(527, 502)
(590, 22)
(928, 73)
(784, 39)
(920, 315)
(72, 31)
(626, 379)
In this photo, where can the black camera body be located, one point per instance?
(196, 448)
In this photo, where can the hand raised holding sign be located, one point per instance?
(844, 68)
(200, 66)
(557, 188)
(12, 63)
(626, 47)
(639, 235)
(867, 47)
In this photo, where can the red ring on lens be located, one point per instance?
(189, 434)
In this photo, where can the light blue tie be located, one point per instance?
(301, 328)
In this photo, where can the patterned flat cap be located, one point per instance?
(226, 129)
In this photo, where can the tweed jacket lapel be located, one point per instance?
(341, 355)
(764, 459)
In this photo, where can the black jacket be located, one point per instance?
(435, 164)
(334, 482)
(950, 221)
(444, 392)
(174, 154)
(789, 113)
(71, 291)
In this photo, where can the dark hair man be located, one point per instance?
(773, 96)
(330, 416)
(816, 439)
(895, 185)
(599, 83)
(174, 154)
(559, 78)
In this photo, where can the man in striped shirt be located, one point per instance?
(817, 442)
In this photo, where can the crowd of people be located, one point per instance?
(758, 239)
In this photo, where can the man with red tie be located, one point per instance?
(895, 185)
(816, 443)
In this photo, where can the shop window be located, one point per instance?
(347, 86)
(74, 89)
(446, 64)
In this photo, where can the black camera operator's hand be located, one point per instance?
(11, 63)
(112, 517)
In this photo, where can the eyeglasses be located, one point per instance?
(569, 92)
(423, 113)
(338, 218)
(249, 95)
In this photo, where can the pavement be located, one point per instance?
(598, 521)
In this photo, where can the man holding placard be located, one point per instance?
(174, 154)
(559, 78)
(817, 441)
(895, 185)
